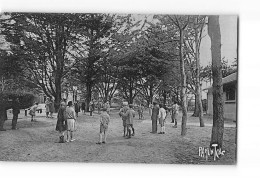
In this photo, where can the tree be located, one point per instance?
(92, 48)
(192, 43)
(7, 98)
(181, 22)
(42, 42)
(218, 119)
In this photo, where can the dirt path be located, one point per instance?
(37, 141)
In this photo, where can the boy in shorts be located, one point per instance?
(124, 118)
(104, 121)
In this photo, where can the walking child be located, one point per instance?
(104, 121)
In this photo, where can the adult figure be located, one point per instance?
(16, 111)
(76, 106)
(71, 119)
(83, 107)
(175, 112)
(154, 117)
(47, 106)
(52, 109)
(124, 118)
(61, 125)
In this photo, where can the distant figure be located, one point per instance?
(124, 118)
(140, 111)
(175, 112)
(32, 111)
(91, 107)
(71, 119)
(107, 106)
(130, 114)
(76, 106)
(47, 106)
(154, 117)
(104, 122)
(83, 107)
(162, 117)
(61, 125)
(16, 111)
(99, 105)
(52, 109)
(150, 109)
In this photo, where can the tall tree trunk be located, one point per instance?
(196, 109)
(218, 120)
(88, 95)
(58, 94)
(183, 87)
(198, 87)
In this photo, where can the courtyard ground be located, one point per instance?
(38, 142)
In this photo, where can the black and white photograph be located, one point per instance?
(121, 88)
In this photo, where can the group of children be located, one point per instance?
(67, 118)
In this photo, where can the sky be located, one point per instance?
(228, 30)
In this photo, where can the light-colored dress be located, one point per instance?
(71, 117)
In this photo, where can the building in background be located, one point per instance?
(229, 97)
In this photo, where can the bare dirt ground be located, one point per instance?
(38, 142)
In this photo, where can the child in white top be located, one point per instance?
(162, 117)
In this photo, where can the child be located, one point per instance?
(33, 111)
(130, 114)
(175, 112)
(71, 119)
(124, 118)
(162, 117)
(104, 121)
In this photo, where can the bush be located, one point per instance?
(25, 99)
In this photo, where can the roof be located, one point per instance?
(228, 79)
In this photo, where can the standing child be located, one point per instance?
(47, 106)
(175, 112)
(130, 114)
(104, 121)
(162, 117)
(71, 119)
(33, 111)
(124, 118)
